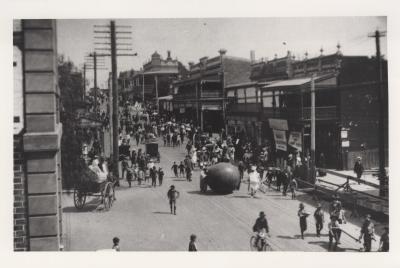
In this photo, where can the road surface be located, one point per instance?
(141, 218)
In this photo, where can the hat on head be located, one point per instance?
(253, 168)
(262, 213)
(319, 205)
(358, 157)
(368, 216)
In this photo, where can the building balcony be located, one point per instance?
(321, 113)
(148, 89)
(211, 94)
(237, 108)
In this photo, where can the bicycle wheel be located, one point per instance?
(267, 247)
(253, 245)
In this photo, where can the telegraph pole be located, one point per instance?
(156, 82)
(143, 89)
(115, 99)
(84, 82)
(95, 79)
(93, 63)
(382, 106)
(313, 128)
(111, 35)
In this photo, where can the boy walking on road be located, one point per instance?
(181, 169)
(172, 196)
(175, 169)
(160, 176)
(319, 219)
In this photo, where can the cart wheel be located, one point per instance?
(108, 196)
(79, 199)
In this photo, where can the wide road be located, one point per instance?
(141, 218)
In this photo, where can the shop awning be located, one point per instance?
(169, 97)
(326, 80)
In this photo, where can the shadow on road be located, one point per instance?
(162, 212)
(206, 193)
(179, 180)
(89, 207)
(287, 237)
(240, 196)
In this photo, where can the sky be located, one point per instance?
(190, 39)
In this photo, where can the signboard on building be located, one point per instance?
(18, 92)
(345, 144)
(280, 140)
(280, 124)
(295, 140)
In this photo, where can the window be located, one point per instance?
(231, 93)
(251, 95)
(267, 100)
(241, 95)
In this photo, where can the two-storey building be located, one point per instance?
(200, 96)
(346, 106)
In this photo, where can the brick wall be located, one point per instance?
(20, 204)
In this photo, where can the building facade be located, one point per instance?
(153, 80)
(200, 96)
(37, 135)
(346, 102)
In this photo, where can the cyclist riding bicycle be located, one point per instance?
(260, 225)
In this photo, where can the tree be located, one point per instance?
(70, 83)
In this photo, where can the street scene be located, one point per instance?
(128, 140)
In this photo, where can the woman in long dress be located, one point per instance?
(254, 181)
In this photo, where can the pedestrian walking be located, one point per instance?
(286, 178)
(129, 176)
(153, 175)
(146, 175)
(384, 242)
(302, 214)
(203, 183)
(188, 173)
(293, 187)
(334, 228)
(192, 243)
(140, 176)
(241, 168)
(160, 176)
(319, 219)
(367, 232)
(175, 169)
(358, 169)
(172, 195)
(116, 244)
(254, 181)
(181, 169)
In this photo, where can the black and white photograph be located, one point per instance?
(202, 133)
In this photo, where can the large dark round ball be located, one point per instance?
(223, 178)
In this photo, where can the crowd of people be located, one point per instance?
(259, 166)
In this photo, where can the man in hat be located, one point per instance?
(334, 228)
(260, 224)
(203, 183)
(172, 196)
(358, 169)
(367, 232)
(160, 176)
(319, 219)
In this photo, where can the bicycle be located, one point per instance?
(262, 243)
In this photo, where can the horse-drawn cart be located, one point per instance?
(103, 190)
